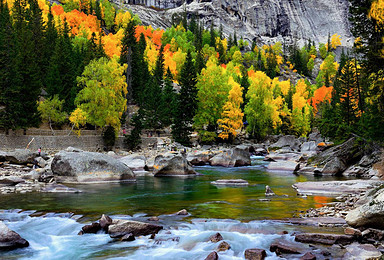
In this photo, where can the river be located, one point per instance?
(243, 215)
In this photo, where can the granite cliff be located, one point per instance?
(262, 20)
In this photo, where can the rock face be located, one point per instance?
(288, 141)
(175, 166)
(120, 228)
(258, 19)
(284, 166)
(335, 160)
(89, 167)
(199, 157)
(238, 156)
(370, 214)
(10, 239)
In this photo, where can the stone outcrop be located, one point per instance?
(9, 239)
(172, 166)
(334, 188)
(370, 214)
(199, 157)
(238, 156)
(260, 20)
(89, 167)
(20, 156)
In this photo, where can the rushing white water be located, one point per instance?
(54, 236)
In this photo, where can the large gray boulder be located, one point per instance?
(335, 166)
(9, 239)
(310, 146)
(172, 166)
(362, 251)
(199, 157)
(21, 156)
(238, 156)
(120, 228)
(284, 166)
(370, 214)
(135, 162)
(287, 141)
(89, 167)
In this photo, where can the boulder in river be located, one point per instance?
(334, 166)
(135, 162)
(284, 166)
(9, 239)
(238, 156)
(308, 256)
(212, 256)
(120, 228)
(282, 248)
(174, 166)
(268, 191)
(370, 214)
(255, 254)
(89, 167)
(182, 212)
(325, 239)
(216, 238)
(199, 157)
(223, 246)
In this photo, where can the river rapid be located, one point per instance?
(243, 215)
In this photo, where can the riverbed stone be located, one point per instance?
(182, 212)
(325, 239)
(282, 248)
(105, 221)
(238, 156)
(255, 254)
(362, 251)
(86, 167)
(91, 228)
(212, 256)
(10, 180)
(120, 228)
(223, 246)
(174, 166)
(128, 237)
(268, 191)
(9, 239)
(308, 256)
(216, 238)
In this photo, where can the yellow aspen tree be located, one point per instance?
(232, 116)
(301, 110)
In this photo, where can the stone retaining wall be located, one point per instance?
(56, 143)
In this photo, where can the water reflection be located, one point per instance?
(155, 196)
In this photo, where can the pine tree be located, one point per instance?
(10, 81)
(159, 68)
(29, 31)
(168, 101)
(212, 41)
(186, 103)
